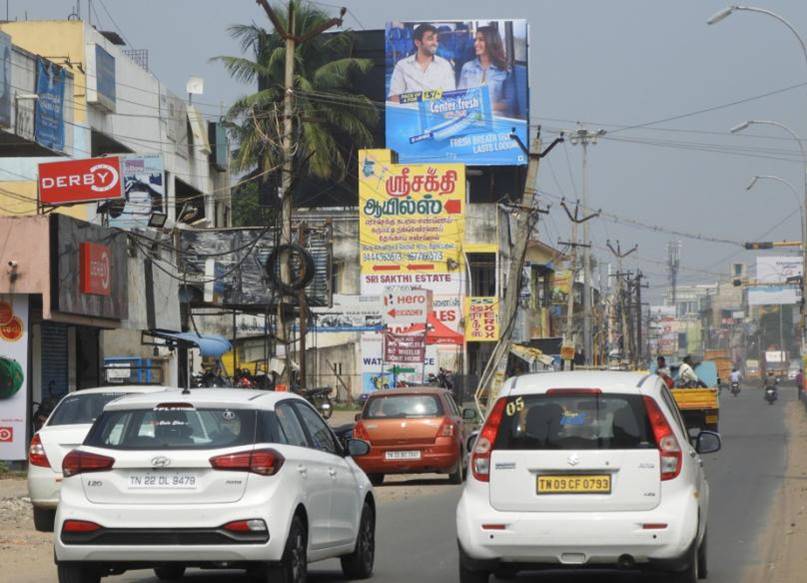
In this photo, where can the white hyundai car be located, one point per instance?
(65, 429)
(585, 470)
(213, 478)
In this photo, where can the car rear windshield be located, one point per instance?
(77, 408)
(143, 429)
(403, 406)
(581, 421)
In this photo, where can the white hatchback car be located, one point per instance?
(213, 478)
(585, 469)
(65, 429)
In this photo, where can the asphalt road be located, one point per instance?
(416, 537)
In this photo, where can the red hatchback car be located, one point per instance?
(412, 431)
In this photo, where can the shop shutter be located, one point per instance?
(54, 358)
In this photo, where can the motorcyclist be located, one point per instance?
(735, 376)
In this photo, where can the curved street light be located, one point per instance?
(714, 19)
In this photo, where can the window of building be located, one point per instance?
(482, 267)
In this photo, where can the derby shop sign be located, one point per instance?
(77, 181)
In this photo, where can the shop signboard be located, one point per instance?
(143, 178)
(78, 181)
(446, 102)
(481, 319)
(105, 79)
(49, 117)
(770, 295)
(14, 336)
(778, 269)
(97, 289)
(411, 216)
(405, 307)
(404, 348)
(96, 277)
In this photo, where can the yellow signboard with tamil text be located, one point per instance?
(482, 319)
(411, 216)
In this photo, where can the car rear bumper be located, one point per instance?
(433, 458)
(185, 533)
(43, 486)
(580, 539)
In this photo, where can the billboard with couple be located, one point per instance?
(457, 90)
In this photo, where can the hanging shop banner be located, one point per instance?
(482, 319)
(404, 348)
(49, 118)
(349, 313)
(101, 85)
(13, 376)
(439, 283)
(144, 191)
(561, 286)
(411, 216)
(77, 181)
(457, 90)
(6, 87)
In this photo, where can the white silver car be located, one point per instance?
(213, 478)
(581, 470)
(65, 429)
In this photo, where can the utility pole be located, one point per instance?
(620, 255)
(638, 285)
(575, 219)
(584, 137)
(525, 213)
(287, 32)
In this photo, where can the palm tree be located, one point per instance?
(331, 119)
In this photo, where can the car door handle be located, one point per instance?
(303, 471)
(332, 472)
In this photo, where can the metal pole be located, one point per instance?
(587, 344)
(570, 299)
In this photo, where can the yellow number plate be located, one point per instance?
(574, 484)
(711, 419)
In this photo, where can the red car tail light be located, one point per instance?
(264, 462)
(360, 432)
(447, 429)
(80, 526)
(81, 462)
(669, 448)
(253, 525)
(480, 461)
(36, 453)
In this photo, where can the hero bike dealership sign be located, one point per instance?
(95, 269)
(78, 181)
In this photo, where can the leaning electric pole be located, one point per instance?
(584, 137)
(287, 32)
(620, 255)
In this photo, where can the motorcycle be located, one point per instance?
(321, 399)
(771, 394)
(735, 389)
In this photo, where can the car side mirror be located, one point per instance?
(357, 447)
(469, 414)
(708, 442)
(357, 416)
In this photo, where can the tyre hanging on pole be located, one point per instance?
(301, 268)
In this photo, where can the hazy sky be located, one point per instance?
(610, 64)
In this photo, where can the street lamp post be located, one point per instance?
(719, 16)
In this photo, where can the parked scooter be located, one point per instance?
(735, 389)
(771, 394)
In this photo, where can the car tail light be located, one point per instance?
(254, 525)
(480, 461)
(80, 526)
(265, 462)
(360, 432)
(669, 448)
(447, 429)
(36, 453)
(81, 462)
